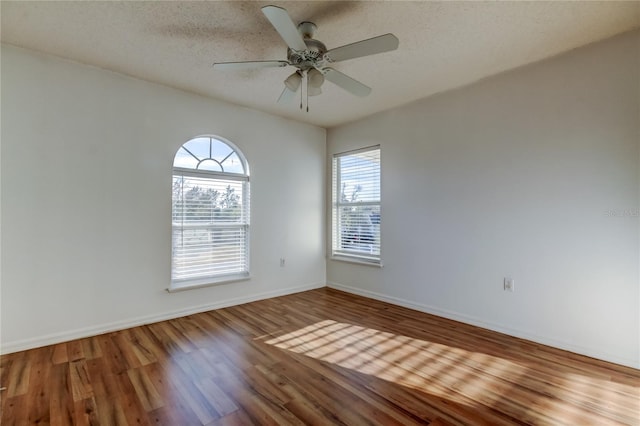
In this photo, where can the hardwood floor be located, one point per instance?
(321, 357)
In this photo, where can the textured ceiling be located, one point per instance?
(443, 45)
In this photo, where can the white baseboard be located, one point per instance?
(50, 339)
(590, 352)
(79, 333)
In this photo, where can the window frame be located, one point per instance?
(337, 252)
(180, 284)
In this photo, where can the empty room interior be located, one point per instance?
(320, 213)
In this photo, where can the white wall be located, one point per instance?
(85, 184)
(513, 176)
(510, 176)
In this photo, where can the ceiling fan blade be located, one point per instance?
(286, 96)
(383, 43)
(233, 66)
(283, 24)
(346, 82)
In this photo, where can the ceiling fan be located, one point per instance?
(311, 57)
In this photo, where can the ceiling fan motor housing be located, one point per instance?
(308, 58)
(312, 56)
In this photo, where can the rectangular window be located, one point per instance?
(356, 205)
(210, 224)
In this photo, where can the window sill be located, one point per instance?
(357, 261)
(206, 282)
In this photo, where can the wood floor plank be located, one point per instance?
(81, 386)
(176, 406)
(170, 338)
(85, 413)
(103, 380)
(122, 342)
(91, 348)
(321, 357)
(146, 392)
(322, 388)
(61, 407)
(5, 367)
(129, 397)
(112, 354)
(222, 403)
(59, 354)
(75, 351)
(109, 411)
(191, 397)
(39, 393)
(18, 376)
(15, 411)
(259, 407)
(190, 329)
(237, 418)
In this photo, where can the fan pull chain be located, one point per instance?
(306, 78)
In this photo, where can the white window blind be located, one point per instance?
(210, 215)
(356, 205)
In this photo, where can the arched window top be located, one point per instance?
(211, 154)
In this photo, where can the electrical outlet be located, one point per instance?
(509, 284)
(282, 262)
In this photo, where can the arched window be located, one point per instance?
(210, 213)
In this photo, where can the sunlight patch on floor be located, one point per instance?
(431, 367)
(459, 375)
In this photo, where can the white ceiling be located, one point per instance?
(443, 45)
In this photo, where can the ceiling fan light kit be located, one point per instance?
(313, 91)
(316, 78)
(293, 81)
(311, 57)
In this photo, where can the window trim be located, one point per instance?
(178, 285)
(346, 255)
